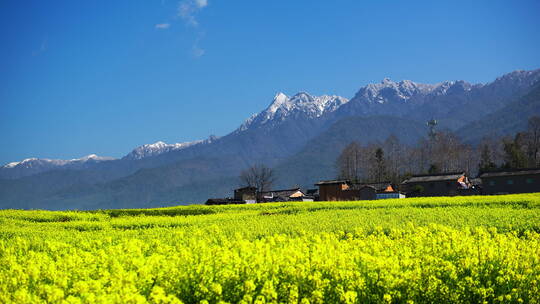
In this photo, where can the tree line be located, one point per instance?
(439, 152)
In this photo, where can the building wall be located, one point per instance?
(350, 195)
(511, 184)
(245, 194)
(332, 192)
(434, 188)
(386, 195)
(367, 193)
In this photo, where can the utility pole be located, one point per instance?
(431, 143)
(431, 124)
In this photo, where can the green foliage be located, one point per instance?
(514, 156)
(425, 250)
(418, 189)
(486, 161)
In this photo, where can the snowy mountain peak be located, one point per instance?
(29, 160)
(40, 164)
(11, 165)
(280, 101)
(280, 97)
(386, 80)
(300, 104)
(161, 147)
(92, 157)
(388, 91)
(523, 78)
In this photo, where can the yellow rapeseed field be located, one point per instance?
(483, 249)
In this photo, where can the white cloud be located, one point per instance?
(163, 26)
(188, 9)
(201, 3)
(197, 51)
(42, 48)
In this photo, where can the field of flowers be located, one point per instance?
(483, 249)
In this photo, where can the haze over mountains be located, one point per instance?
(300, 136)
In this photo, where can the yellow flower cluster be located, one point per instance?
(437, 250)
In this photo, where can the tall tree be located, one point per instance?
(486, 160)
(514, 154)
(420, 157)
(258, 176)
(396, 158)
(533, 145)
(449, 153)
(380, 165)
(349, 162)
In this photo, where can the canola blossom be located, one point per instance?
(483, 249)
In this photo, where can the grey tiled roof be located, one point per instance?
(377, 186)
(434, 178)
(282, 193)
(510, 173)
(331, 182)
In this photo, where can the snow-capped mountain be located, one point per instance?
(32, 166)
(408, 92)
(42, 162)
(301, 104)
(158, 148)
(389, 91)
(161, 147)
(452, 103)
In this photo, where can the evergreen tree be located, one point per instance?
(514, 155)
(486, 162)
(380, 169)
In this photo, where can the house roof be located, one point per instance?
(452, 176)
(332, 182)
(246, 188)
(282, 193)
(377, 186)
(510, 173)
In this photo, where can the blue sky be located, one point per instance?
(82, 77)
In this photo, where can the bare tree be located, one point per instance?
(420, 157)
(533, 145)
(258, 176)
(349, 162)
(397, 158)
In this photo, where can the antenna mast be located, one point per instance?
(431, 124)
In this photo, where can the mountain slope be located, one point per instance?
(507, 121)
(452, 103)
(316, 161)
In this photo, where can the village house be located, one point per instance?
(444, 184)
(286, 195)
(332, 190)
(313, 193)
(247, 194)
(250, 195)
(344, 190)
(511, 181)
